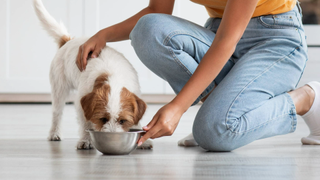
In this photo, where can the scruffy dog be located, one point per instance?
(107, 91)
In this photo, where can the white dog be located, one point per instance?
(107, 91)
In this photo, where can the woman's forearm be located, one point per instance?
(121, 31)
(236, 18)
(208, 69)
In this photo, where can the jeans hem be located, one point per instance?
(293, 113)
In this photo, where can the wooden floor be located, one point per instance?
(26, 154)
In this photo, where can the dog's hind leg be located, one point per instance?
(59, 93)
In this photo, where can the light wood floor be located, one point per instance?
(26, 154)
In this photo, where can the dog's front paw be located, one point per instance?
(188, 141)
(148, 144)
(54, 137)
(84, 144)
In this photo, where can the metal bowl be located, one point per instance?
(116, 143)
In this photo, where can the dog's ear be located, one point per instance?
(88, 105)
(98, 94)
(140, 109)
(133, 105)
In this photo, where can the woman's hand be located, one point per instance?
(90, 49)
(163, 123)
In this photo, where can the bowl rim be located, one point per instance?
(132, 131)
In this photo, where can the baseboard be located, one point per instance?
(46, 98)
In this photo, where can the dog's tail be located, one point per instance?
(57, 30)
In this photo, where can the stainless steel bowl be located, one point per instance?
(116, 143)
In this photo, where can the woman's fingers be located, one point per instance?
(95, 53)
(151, 130)
(84, 55)
(165, 130)
(79, 59)
(90, 49)
(158, 134)
(149, 134)
(163, 123)
(151, 123)
(84, 51)
(155, 129)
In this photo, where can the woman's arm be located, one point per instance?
(235, 19)
(118, 32)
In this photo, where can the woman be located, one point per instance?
(244, 65)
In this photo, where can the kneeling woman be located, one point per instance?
(244, 64)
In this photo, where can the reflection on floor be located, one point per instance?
(26, 154)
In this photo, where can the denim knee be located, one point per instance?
(212, 134)
(142, 31)
(146, 36)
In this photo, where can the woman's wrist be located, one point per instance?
(104, 34)
(181, 105)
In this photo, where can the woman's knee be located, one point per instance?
(149, 28)
(212, 134)
(146, 37)
(141, 30)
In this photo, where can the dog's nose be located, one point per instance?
(107, 130)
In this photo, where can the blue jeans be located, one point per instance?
(250, 100)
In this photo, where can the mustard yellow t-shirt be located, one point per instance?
(215, 8)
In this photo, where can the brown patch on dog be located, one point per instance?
(94, 104)
(132, 107)
(63, 40)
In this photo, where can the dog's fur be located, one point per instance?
(107, 91)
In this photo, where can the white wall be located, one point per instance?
(26, 50)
